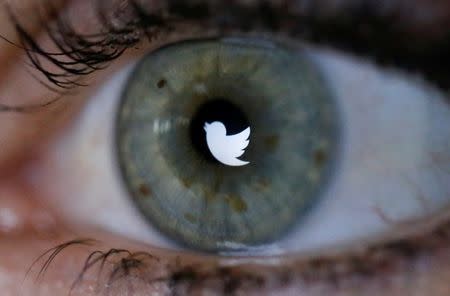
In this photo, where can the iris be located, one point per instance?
(172, 177)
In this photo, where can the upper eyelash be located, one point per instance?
(79, 54)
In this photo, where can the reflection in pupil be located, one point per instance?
(222, 110)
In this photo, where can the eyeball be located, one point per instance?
(336, 150)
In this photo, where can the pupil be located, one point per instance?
(222, 110)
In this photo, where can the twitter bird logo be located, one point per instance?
(226, 149)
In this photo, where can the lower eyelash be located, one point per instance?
(118, 269)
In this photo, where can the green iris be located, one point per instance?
(205, 204)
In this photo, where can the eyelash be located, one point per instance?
(116, 266)
(79, 54)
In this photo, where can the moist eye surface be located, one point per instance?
(226, 144)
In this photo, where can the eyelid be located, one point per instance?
(278, 15)
(418, 265)
(21, 128)
(77, 47)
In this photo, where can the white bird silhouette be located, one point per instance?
(226, 149)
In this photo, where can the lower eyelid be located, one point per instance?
(20, 213)
(396, 269)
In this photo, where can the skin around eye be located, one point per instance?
(393, 126)
(426, 274)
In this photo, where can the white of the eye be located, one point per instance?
(89, 190)
(394, 124)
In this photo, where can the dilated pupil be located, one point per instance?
(218, 109)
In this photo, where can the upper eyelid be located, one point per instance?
(84, 56)
(75, 54)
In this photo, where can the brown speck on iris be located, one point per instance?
(191, 218)
(209, 195)
(236, 203)
(161, 83)
(271, 142)
(262, 185)
(187, 183)
(145, 190)
(320, 157)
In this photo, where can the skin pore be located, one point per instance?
(417, 265)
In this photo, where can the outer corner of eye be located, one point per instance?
(232, 147)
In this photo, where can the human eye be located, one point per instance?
(377, 150)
